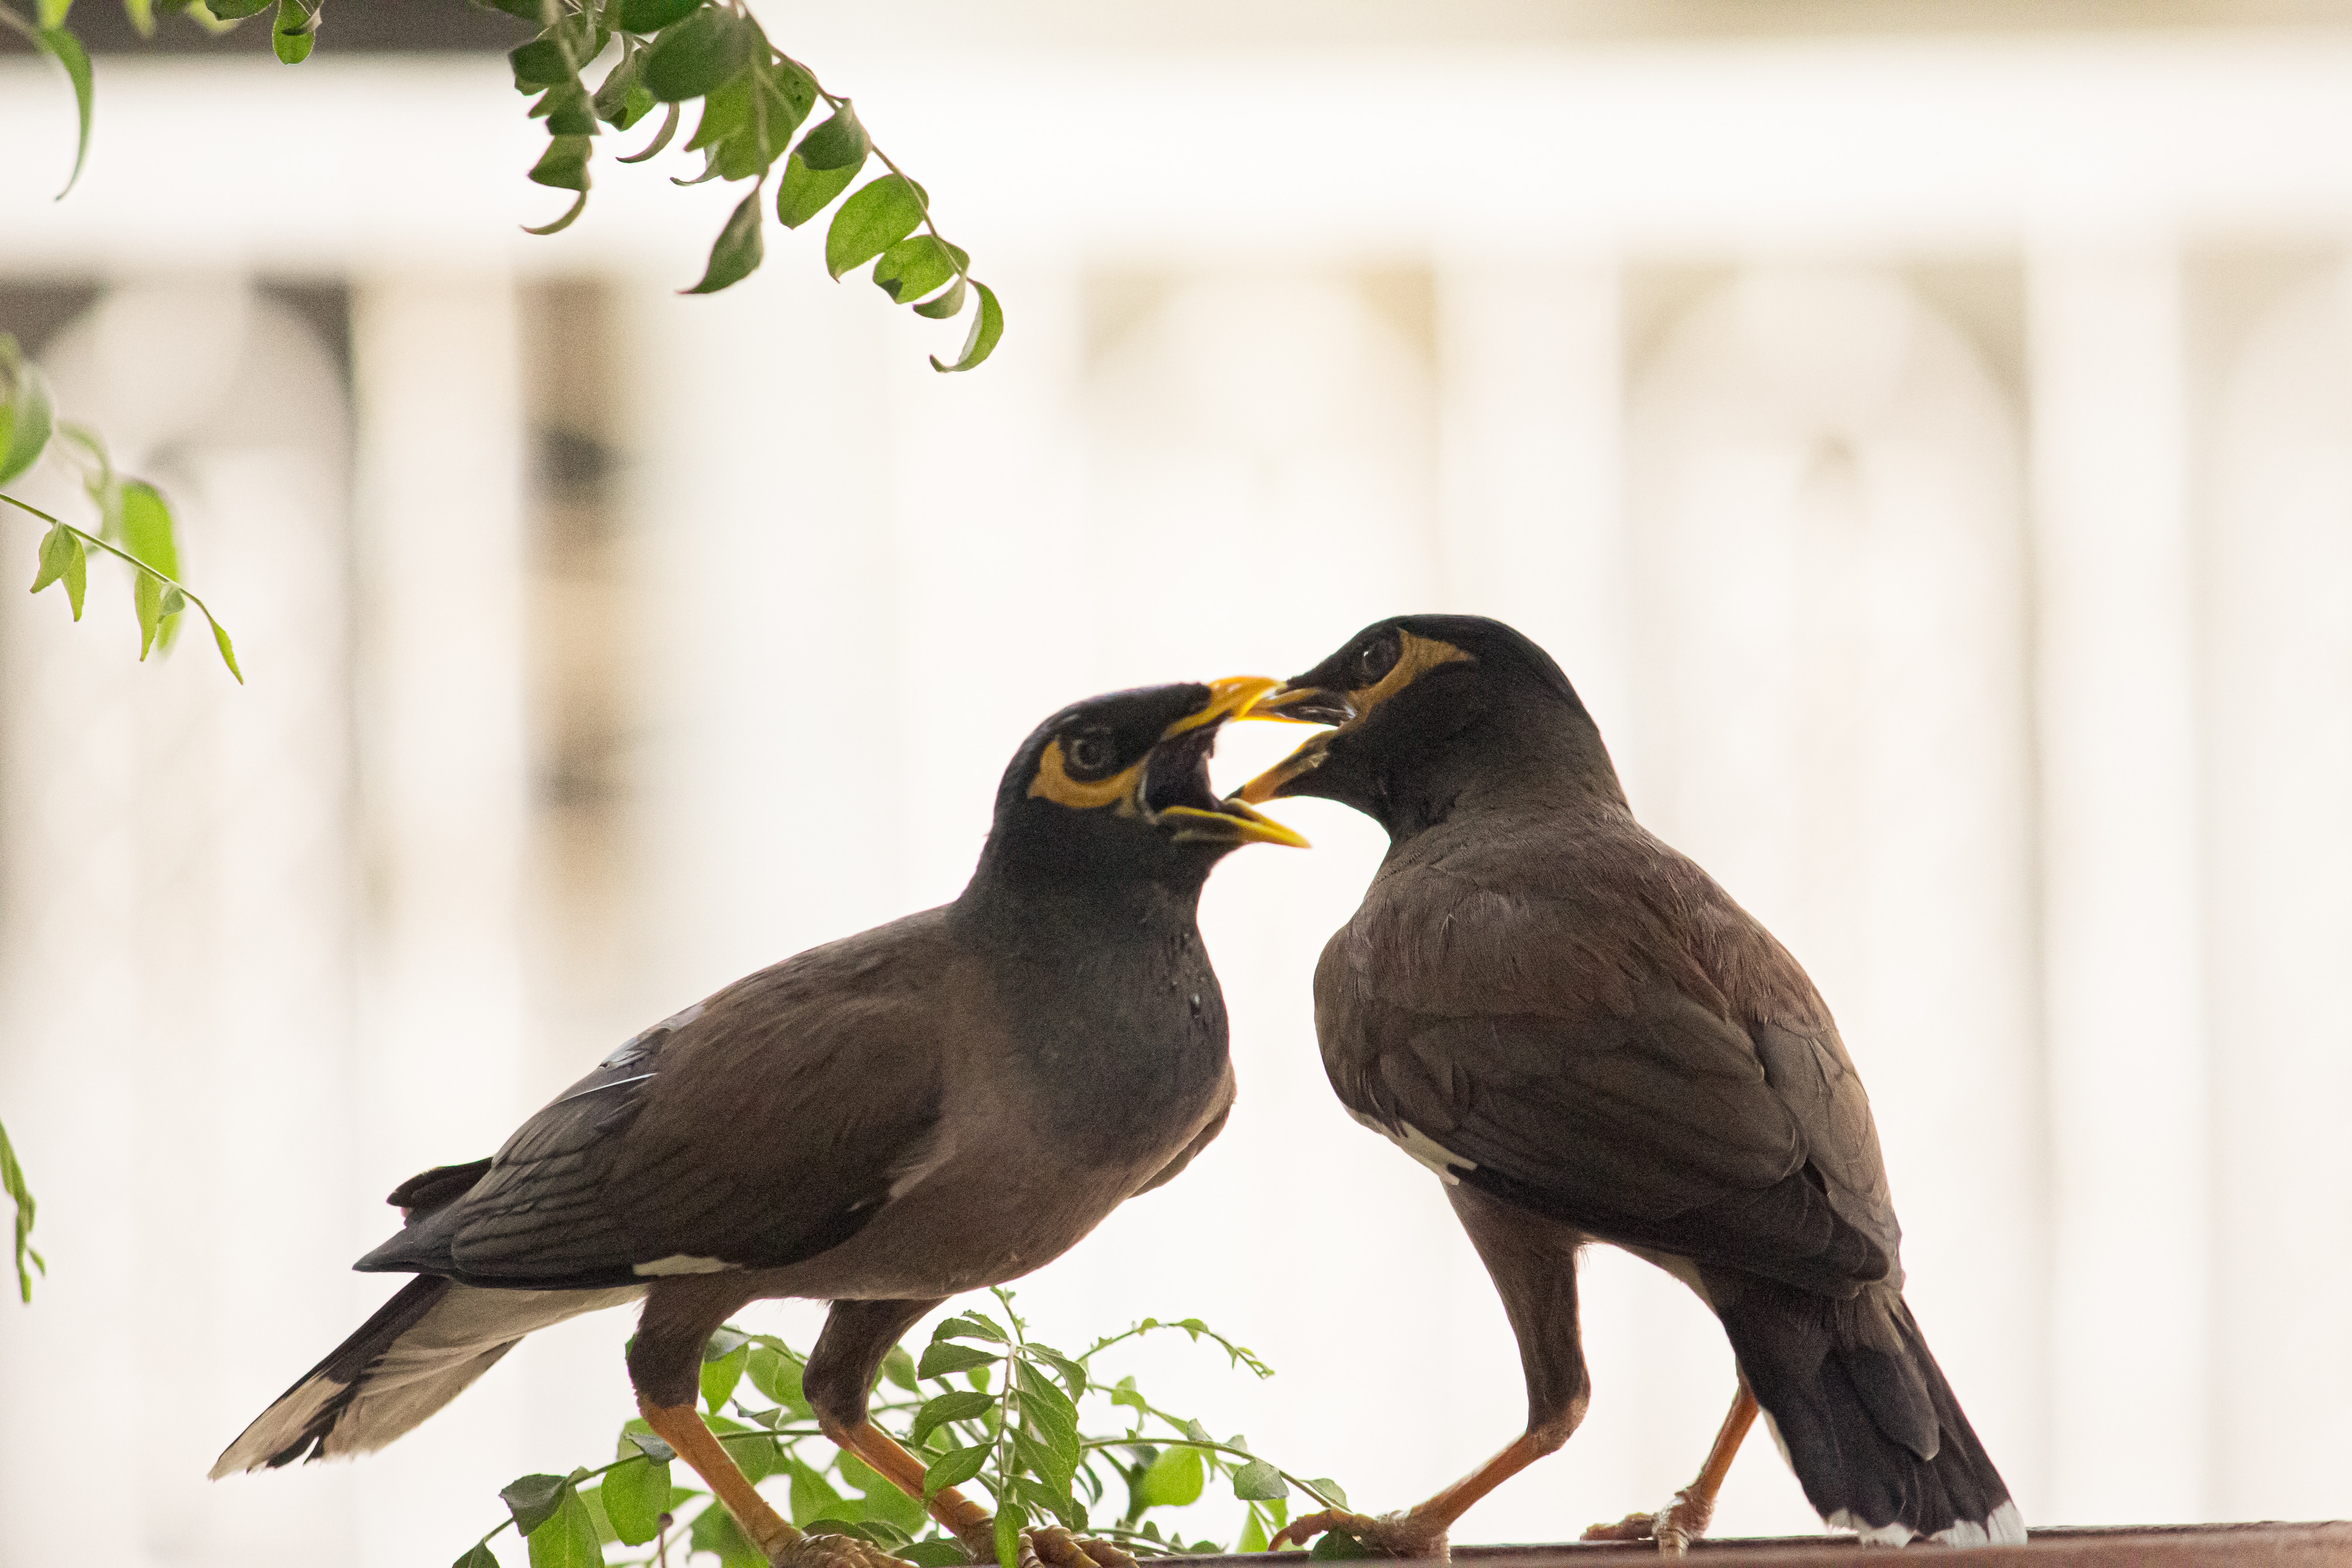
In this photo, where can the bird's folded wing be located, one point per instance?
(1561, 1070)
(760, 1129)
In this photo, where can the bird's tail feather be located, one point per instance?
(420, 1351)
(1864, 1417)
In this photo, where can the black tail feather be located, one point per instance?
(1863, 1413)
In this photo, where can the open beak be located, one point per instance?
(1172, 789)
(1297, 705)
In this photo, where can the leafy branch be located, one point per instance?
(986, 1404)
(666, 54)
(136, 525)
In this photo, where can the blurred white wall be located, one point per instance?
(1932, 457)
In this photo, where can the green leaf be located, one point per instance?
(63, 560)
(220, 641)
(914, 267)
(934, 1554)
(803, 192)
(635, 1497)
(720, 1376)
(811, 1495)
(948, 1407)
(1259, 1482)
(777, 1376)
(1174, 1479)
(12, 1179)
(52, 13)
(838, 143)
(564, 166)
(1329, 1488)
(147, 531)
(538, 63)
(969, 1326)
(899, 1368)
(1011, 1519)
(1253, 1537)
(871, 221)
(738, 250)
(653, 15)
(26, 416)
(294, 31)
(987, 326)
(622, 100)
(535, 1499)
(67, 51)
(237, 10)
(941, 1358)
(724, 1341)
(1337, 1546)
(955, 1467)
(707, 47)
(887, 1504)
(481, 1556)
(725, 110)
(1127, 1394)
(1072, 1373)
(661, 138)
(946, 305)
(758, 1457)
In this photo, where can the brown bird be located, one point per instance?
(939, 1104)
(1587, 1040)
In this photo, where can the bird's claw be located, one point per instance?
(1050, 1546)
(1672, 1527)
(831, 1551)
(1388, 1535)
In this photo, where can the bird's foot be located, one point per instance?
(829, 1550)
(1388, 1535)
(1672, 1527)
(1050, 1546)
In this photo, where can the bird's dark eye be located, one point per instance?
(1375, 660)
(1089, 755)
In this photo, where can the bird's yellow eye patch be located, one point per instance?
(1055, 783)
(1419, 656)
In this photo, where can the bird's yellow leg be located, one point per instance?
(681, 1427)
(1684, 1520)
(1419, 1531)
(963, 1517)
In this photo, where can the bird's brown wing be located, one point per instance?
(1570, 1053)
(762, 1128)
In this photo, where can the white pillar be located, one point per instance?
(2125, 998)
(445, 798)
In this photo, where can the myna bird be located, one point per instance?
(941, 1103)
(1587, 1040)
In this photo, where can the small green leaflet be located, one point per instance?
(941, 1358)
(635, 1497)
(738, 250)
(1011, 1518)
(969, 1326)
(568, 1537)
(838, 143)
(874, 218)
(955, 1467)
(1259, 1482)
(481, 1556)
(987, 326)
(653, 15)
(702, 50)
(1338, 1545)
(1175, 1479)
(533, 1499)
(64, 559)
(12, 1179)
(26, 416)
(899, 1368)
(293, 32)
(776, 1374)
(947, 1408)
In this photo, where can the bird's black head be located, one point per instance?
(1115, 790)
(1425, 707)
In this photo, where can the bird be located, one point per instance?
(1588, 1040)
(944, 1102)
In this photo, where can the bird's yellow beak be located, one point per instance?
(1229, 821)
(1294, 705)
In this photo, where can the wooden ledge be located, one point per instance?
(2269, 1544)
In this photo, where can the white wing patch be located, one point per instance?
(680, 1263)
(1422, 1147)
